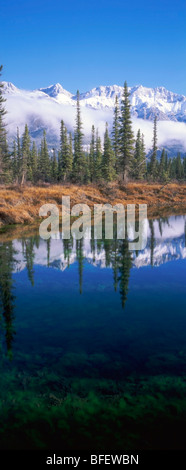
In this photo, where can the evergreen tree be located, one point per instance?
(5, 161)
(139, 162)
(61, 152)
(14, 162)
(98, 158)
(143, 164)
(162, 171)
(34, 162)
(169, 168)
(179, 168)
(25, 154)
(54, 167)
(166, 162)
(184, 167)
(87, 168)
(92, 155)
(44, 161)
(66, 155)
(70, 150)
(173, 168)
(153, 160)
(126, 138)
(115, 134)
(108, 170)
(19, 158)
(79, 156)
(67, 158)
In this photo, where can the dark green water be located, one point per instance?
(93, 342)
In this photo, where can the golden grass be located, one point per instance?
(20, 205)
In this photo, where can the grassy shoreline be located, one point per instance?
(20, 205)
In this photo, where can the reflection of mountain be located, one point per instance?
(168, 244)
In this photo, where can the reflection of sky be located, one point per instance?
(174, 228)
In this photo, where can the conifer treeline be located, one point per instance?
(121, 156)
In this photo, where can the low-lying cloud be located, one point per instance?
(41, 112)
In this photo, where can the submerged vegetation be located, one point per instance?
(85, 414)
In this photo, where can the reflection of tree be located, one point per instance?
(28, 252)
(67, 249)
(125, 264)
(48, 251)
(80, 258)
(160, 226)
(115, 263)
(152, 241)
(107, 244)
(93, 248)
(6, 291)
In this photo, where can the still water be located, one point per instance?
(93, 342)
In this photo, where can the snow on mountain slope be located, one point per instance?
(44, 108)
(145, 102)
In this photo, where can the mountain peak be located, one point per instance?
(54, 90)
(9, 87)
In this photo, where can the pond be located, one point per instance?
(92, 339)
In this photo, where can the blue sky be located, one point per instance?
(85, 44)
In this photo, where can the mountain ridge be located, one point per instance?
(140, 97)
(43, 108)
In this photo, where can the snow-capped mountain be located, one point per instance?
(44, 108)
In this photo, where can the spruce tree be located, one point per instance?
(179, 168)
(5, 162)
(162, 171)
(79, 156)
(153, 160)
(139, 161)
(184, 167)
(70, 153)
(126, 138)
(62, 150)
(14, 162)
(166, 162)
(98, 158)
(25, 154)
(65, 155)
(92, 155)
(44, 161)
(143, 165)
(34, 162)
(115, 134)
(108, 170)
(54, 167)
(18, 152)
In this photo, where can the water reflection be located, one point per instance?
(166, 242)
